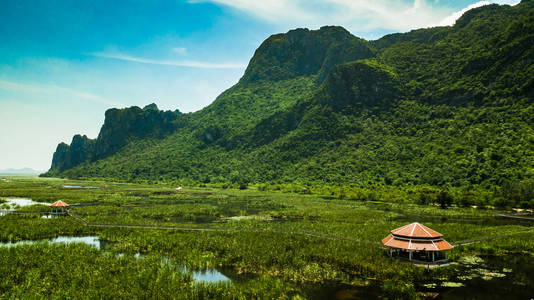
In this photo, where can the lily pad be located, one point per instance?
(451, 284)
(471, 260)
(507, 270)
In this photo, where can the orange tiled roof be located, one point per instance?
(416, 237)
(59, 203)
(416, 230)
(416, 245)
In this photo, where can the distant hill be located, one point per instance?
(444, 106)
(22, 171)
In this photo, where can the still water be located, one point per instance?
(89, 240)
(208, 275)
(487, 277)
(21, 202)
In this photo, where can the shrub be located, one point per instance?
(424, 198)
(465, 201)
(500, 202)
(524, 204)
(398, 290)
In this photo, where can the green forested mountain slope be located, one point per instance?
(485, 57)
(440, 106)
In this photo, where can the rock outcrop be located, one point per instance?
(120, 127)
(302, 52)
(81, 149)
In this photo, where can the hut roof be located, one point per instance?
(416, 230)
(416, 245)
(59, 203)
(416, 237)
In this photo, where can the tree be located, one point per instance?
(444, 199)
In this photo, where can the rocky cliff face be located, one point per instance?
(303, 52)
(120, 127)
(81, 149)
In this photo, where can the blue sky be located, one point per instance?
(63, 63)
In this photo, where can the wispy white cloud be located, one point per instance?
(450, 20)
(355, 15)
(41, 89)
(272, 10)
(508, 2)
(175, 63)
(180, 50)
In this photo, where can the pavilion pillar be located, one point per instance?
(433, 252)
(410, 255)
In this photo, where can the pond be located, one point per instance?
(210, 275)
(89, 240)
(487, 277)
(80, 187)
(341, 291)
(12, 204)
(21, 202)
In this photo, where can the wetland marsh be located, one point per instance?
(229, 243)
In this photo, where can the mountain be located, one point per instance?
(302, 52)
(120, 127)
(444, 106)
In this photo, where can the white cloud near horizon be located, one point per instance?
(450, 20)
(356, 15)
(177, 63)
(33, 88)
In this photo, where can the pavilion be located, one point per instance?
(417, 243)
(59, 204)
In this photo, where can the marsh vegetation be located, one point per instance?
(269, 244)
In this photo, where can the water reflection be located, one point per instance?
(80, 187)
(89, 240)
(491, 277)
(209, 275)
(21, 202)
